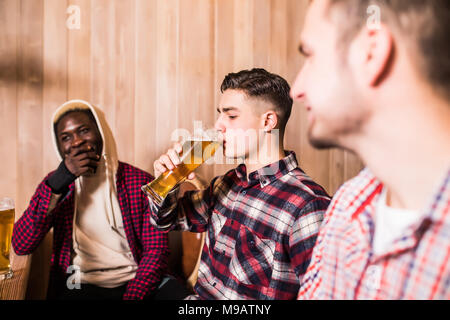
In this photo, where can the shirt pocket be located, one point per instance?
(252, 259)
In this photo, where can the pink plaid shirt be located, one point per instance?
(344, 267)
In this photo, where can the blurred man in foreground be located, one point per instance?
(381, 88)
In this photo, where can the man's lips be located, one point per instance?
(310, 113)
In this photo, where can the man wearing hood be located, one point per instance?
(101, 219)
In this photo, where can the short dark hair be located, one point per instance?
(262, 84)
(425, 22)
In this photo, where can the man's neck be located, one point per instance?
(409, 154)
(266, 156)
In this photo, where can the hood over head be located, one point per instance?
(103, 182)
(109, 152)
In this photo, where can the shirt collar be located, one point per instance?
(438, 207)
(266, 175)
(370, 189)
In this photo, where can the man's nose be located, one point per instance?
(219, 126)
(297, 90)
(77, 141)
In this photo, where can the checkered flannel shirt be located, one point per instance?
(343, 265)
(148, 245)
(260, 231)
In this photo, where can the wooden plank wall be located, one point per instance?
(151, 65)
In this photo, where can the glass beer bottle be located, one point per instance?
(6, 228)
(195, 153)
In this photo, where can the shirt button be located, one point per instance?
(244, 192)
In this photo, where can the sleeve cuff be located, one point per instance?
(163, 217)
(60, 179)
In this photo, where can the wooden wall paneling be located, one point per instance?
(103, 58)
(9, 16)
(145, 84)
(167, 89)
(196, 69)
(167, 73)
(125, 77)
(54, 73)
(243, 34)
(278, 37)
(54, 93)
(79, 62)
(223, 43)
(29, 104)
(196, 64)
(336, 176)
(262, 32)
(224, 52)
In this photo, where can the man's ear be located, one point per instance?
(270, 119)
(371, 53)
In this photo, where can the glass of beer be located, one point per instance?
(196, 151)
(6, 228)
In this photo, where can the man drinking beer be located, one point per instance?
(261, 218)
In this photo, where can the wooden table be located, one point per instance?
(15, 287)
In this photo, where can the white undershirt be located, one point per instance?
(391, 224)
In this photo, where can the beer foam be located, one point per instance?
(6, 204)
(202, 140)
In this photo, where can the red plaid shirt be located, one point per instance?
(148, 245)
(260, 232)
(343, 265)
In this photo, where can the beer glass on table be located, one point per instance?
(6, 227)
(196, 151)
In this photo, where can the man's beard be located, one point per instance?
(320, 143)
(335, 136)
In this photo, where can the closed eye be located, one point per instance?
(229, 112)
